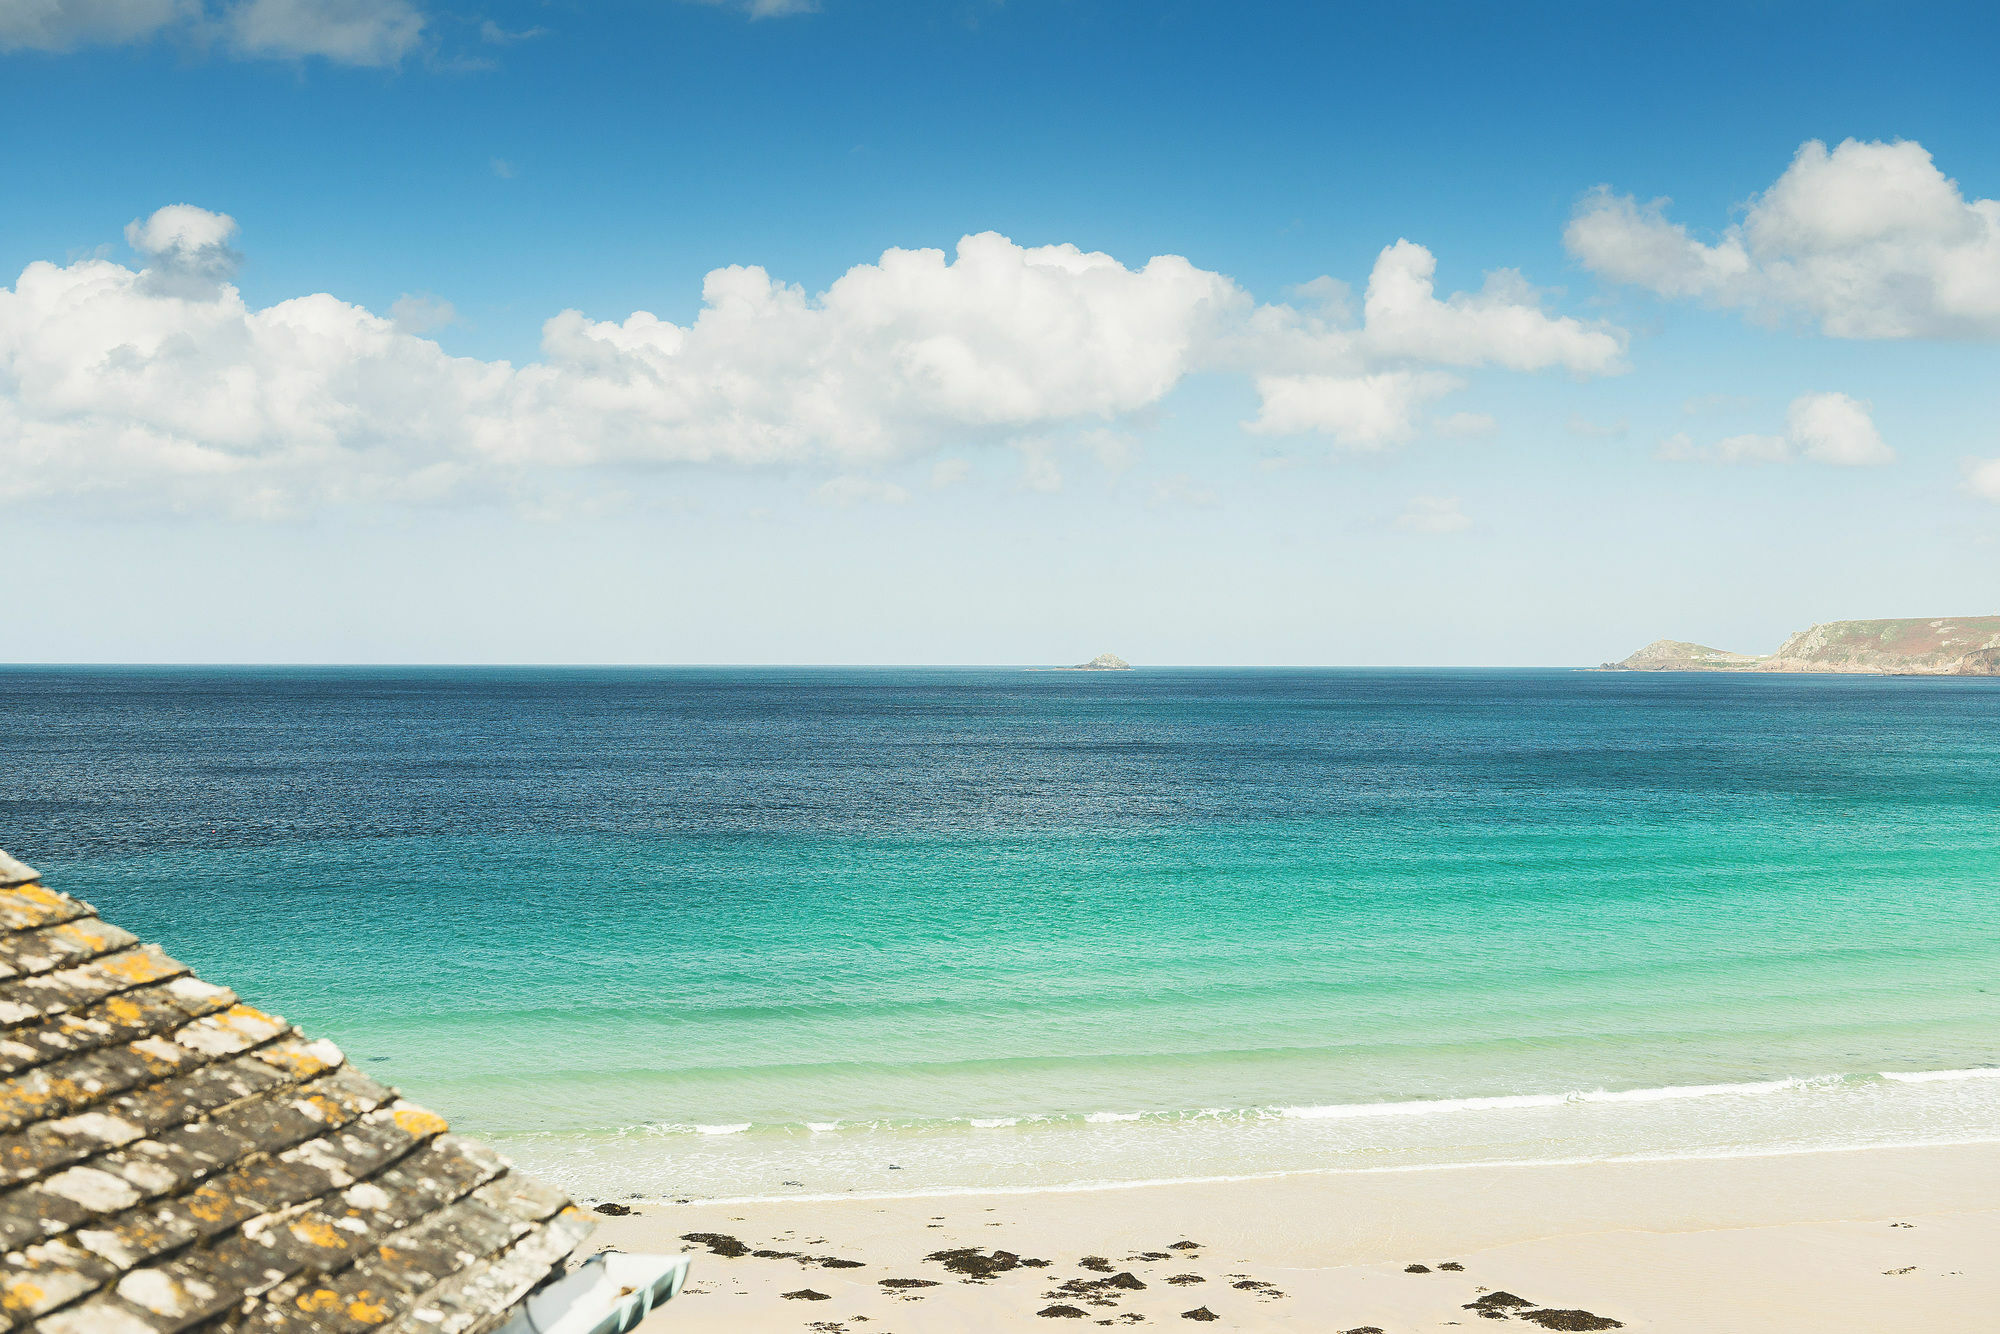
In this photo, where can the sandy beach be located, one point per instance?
(1877, 1240)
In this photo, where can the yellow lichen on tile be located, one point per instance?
(414, 1120)
(139, 966)
(366, 1309)
(162, 1058)
(207, 1203)
(320, 1108)
(302, 1060)
(92, 934)
(21, 1295)
(123, 1010)
(318, 1232)
(318, 1300)
(31, 905)
(251, 1021)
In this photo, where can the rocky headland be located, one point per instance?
(1917, 646)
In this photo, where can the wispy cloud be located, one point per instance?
(1828, 428)
(494, 35)
(350, 32)
(844, 492)
(421, 313)
(764, 9)
(1434, 515)
(1181, 491)
(1982, 478)
(1597, 430)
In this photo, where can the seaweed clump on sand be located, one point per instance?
(1500, 1305)
(718, 1244)
(1060, 1312)
(1096, 1290)
(977, 1265)
(805, 1295)
(1200, 1313)
(1571, 1320)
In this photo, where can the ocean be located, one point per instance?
(728, 933)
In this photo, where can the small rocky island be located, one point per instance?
(1917, 646)
(1103, 662)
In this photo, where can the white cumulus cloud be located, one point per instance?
(1502, 324)
(1368, 384)
(1866, 240)
(1982, 478)
(1833, 428)
(186, 248)
(1359, 411)
(161, 380)
(1824, 428)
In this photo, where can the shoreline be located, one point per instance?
(735, 1164)
(1877, 1239)
(1285, 1174)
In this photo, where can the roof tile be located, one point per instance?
(26, 906)
(171, 1157)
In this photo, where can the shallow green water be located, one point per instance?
(712, 932)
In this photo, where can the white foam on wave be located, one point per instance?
(1505, 1102)
(1421, 1107)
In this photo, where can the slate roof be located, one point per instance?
(172, 1159)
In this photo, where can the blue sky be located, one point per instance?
(1657, 439)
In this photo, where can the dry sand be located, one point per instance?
(1881, 1240)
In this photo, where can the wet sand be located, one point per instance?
(1879, 1240)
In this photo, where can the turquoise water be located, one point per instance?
(753, 932)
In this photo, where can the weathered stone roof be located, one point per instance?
(172, 1159)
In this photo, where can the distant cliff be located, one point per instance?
(1944, 646)
(1677, 655)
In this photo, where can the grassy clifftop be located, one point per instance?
(1952, 644)
(1917, 646)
